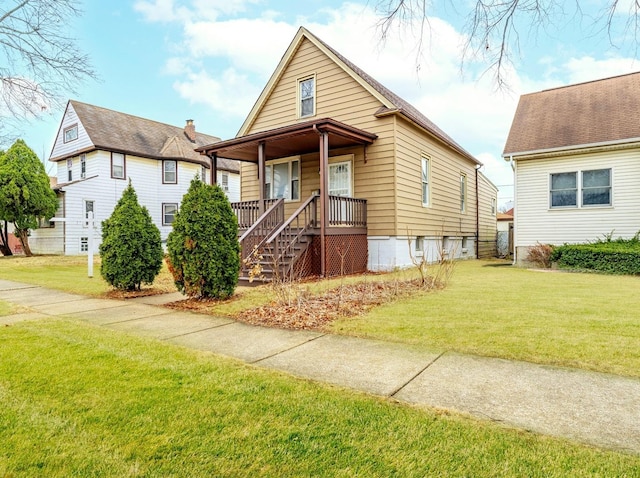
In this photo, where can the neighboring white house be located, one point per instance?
(575, 152)
(97, 151)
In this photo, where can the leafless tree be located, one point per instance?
(493, 27)
(40, 64)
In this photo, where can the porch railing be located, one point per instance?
(248, 212)
(263, 227)
(344, 211)
(284, 240)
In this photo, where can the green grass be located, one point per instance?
(588, 321)
(78, 400)
(67, 273)
(5, 308)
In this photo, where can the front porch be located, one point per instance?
(326, 234)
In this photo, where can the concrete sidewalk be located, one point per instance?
(593, 408)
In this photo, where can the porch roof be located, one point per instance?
(300, 138)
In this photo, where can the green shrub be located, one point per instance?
(204, 253)
(131, 248)
(620, 256)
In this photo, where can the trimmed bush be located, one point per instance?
(203, 247)
(621, 256)
(131, 248)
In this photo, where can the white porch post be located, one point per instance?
(324, 199)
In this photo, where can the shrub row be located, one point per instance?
(615, 257)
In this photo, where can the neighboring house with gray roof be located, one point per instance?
(575, 153)
(367, 180)
(97, 151)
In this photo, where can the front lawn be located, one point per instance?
(79, 400)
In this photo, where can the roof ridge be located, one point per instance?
(582, 83)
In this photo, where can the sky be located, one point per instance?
(208, 60)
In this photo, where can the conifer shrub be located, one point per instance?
(203, 247)
(131, 248)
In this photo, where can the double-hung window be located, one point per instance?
(83, 165)
(70, 133)
(425, 180)
(282, 180)
(169, 211)
(307, 96)
(463, 192)
(169, 171)
(591, 188)
(117, 166)
(70, 169)
(224, 182)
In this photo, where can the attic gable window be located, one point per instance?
(70, 133)
(307, 96)
(117, 166)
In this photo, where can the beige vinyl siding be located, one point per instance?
(536, 222)
(342, 98)
(442, 216)
(487, 221)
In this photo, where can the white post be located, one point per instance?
(90, 223)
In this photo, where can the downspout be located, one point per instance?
(477, 216)
(513, 168)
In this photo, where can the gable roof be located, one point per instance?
(596, 113)
(114, 131)
(391, 103)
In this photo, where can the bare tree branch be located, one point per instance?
(40, 64)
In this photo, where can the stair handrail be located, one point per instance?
(283, 240)
(269, 220)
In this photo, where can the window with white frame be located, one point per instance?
(70, 169)
(83, 165)
(203, 175)
(117, 166)
(307, 93)
(224, 182)
(594, 186)
(493, 206)
(463, 192)
(169, 211)
(419, 246)
(282, 180)
(425, 180)
(169, 171)
(70, 133)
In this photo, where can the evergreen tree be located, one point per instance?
(204, 252)
(131, 248)
(25, 191)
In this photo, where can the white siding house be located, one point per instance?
(98, 151)
(576, 158)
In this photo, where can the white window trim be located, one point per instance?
(464, 193)
(345, 158)
(425, 158)
(124, 166)
(70, 169)
(85, 223)
(73, 127)
(83, 165)
(164, 214)
(289, 160)
(579, 191)
(224, 181)
(299, 96)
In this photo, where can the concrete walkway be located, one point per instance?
(593, 408)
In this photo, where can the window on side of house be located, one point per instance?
(596, 187)
(83, 165)
(70, 133)
(282, 180)
(564, 190)
(493, 206)
(169, 171)
(224, 182)
(425, 180)
(70, 169)
(203, 175)
(463, 192)
(419, 246)
(118, 166)
(307, 96)
(169, 211)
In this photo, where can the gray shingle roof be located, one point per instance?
(580, 115)
(114, 131)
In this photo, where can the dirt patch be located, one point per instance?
(132, 294)
(315, 312)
